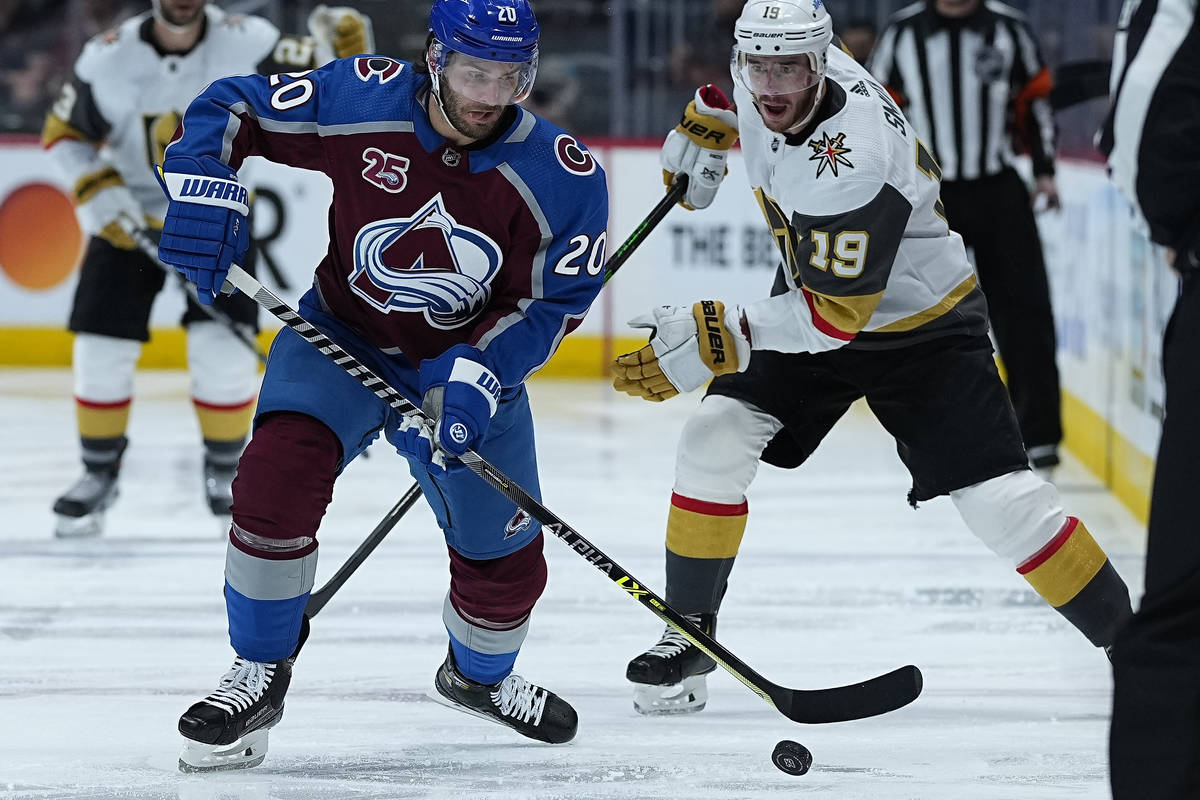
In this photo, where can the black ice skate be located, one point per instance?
(220, 467)
(228, 729)
(670, 677)
(527, 708)
(80, 510)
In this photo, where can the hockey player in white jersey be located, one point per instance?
(105, 133)
(875, 299)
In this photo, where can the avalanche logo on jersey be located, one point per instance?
(450, 279)
(830, 153)
(572, 157)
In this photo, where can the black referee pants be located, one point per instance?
(1155, 740)
(994, 216)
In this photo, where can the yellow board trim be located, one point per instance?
(1115, 460)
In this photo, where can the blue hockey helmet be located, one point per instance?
(489, 30)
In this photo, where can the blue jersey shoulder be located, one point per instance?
(367, 89)
(562, 174)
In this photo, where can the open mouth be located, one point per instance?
(772, 108)
(481, 117)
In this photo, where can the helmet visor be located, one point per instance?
(492, 83)
(777, 75)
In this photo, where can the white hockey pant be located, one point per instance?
(1015, 515)
(719, 449)
(223, 370)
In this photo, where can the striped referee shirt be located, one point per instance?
(969, 87)
(1152, 134)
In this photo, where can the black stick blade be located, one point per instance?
(870, 698)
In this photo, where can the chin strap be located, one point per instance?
(435, 90)
(799, 126)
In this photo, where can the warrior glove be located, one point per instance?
(462, 394)
(205, 230)
(699, 146)
(688, 346)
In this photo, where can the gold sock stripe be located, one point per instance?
(694, 534)
(93, 183)
(102, 420)
(1061, 569)
(224, 423)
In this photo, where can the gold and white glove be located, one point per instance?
(103, 210)
(688, 347)
(699, 146)
(340, 32)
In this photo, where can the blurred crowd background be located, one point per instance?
(609, 68)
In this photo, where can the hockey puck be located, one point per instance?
(792, 757)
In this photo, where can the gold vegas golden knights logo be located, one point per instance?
(830, 152)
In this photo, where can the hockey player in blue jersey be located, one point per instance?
(466, 239)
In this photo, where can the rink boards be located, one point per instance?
(1112, 293)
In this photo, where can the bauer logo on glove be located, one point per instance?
(688, 347)
(699, 146)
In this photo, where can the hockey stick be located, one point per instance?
(150, 250)
(318, 599)
(644, 227)
(855, 701)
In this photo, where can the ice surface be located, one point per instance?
(103, 643)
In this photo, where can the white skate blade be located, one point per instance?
(84, 527)
(687, 697)
(441, 699)
(248, 751)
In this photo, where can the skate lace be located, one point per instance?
(242, 685)
(673, 642)
(520, 699)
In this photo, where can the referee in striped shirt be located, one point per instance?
(1152, 140)
(969, 77)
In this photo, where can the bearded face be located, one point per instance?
(180, 13)
(472, 118)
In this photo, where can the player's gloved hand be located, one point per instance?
(205, 230)
(413, 439)
(461, 394)
(699, 146)
(107, 212)
(340, 32)
(688, 346)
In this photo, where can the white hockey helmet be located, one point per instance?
(771, 30)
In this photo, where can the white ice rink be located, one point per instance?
(103, 643)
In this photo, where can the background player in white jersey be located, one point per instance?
(875, 299)
(466, 240)
(106, 132)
